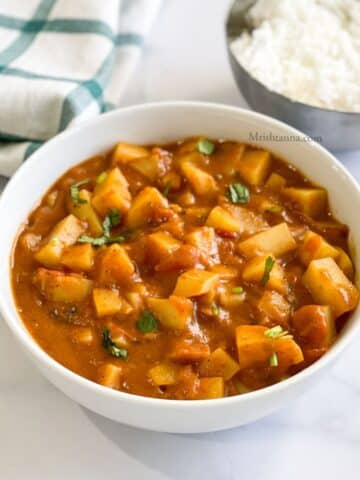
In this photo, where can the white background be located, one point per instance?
(45, 436)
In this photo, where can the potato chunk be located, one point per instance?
(204, 239)
(221, 219)
(315, 325)
(79, 257)
(311, 201)
(159, 245)
(195, 282)
(254, 271)
(273, 306)
(345, 263)
(276, 240)
(211, 387)
(219, 364)
(152, 166)
(124, 152)
(85, 211)
(164, 374)
(275, 182)
(315, 246)
(64, 234)
(254, 166)
(255, 348)
(148, 206)
(82, 335)
(113, 192)
(173, 312)
(60, 287)
(107, 302)
(115, 265)
(201, 182)
(110, 375)
(328, 285)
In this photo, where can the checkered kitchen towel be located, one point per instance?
(63, 61)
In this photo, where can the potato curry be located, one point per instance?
(195, 270)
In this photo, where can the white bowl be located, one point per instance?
(153, 123)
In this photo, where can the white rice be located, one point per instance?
(308, 50)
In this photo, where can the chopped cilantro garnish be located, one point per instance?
(101, 177)
(111, 346)
(215, 310)
(237, 290)
(269, 263)
(167, 188)
(147, 322)
(275, 332)
(273, 360)
(74, 191)
(238, 193)
(112, 219)
(275, 209)
(205, 147)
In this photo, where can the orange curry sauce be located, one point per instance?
(198, 269)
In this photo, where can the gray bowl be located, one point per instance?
(338, 131)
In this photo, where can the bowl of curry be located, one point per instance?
(172, 274)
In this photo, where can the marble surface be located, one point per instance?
(45, 436)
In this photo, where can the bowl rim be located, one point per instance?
(295, 103)
(16, 325)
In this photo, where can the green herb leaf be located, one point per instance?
(97, 242)
(269, 263)
(215, 310)
(147, 322)
(275, 332)
(167, 188)
(275, 209)
(111, 346)
(238, 193)
(273, 360)
(237, 290)
(74, 191)
(205, 147)
(115, 216)
(101, 178)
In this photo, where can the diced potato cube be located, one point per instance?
(190, 352)
(211, 387)
(254, 166)
(172, 181)
(173, 312)
(255, 348)
(115, 265)
(328, 285)
(194, 157)
(201, 182)
(124, 152)
(221, 219)
(113, 192)
(159, 245)
(219, 364)
(204, 239)
(345, 263)
(276, 240)
(254, 271)
(107, 302)
(79, 257)
(195, 282)
(275, 182)
(250, 222)
(110, 375)
(186, 198)
(315, 246)
(86, 212)
(225, 272)
(315, 325)
(152, 166)
(230, 299)
(164, 374)
(64, 234)
(148, 205)
(311, 201)
(60, 287)
(273, 306)
(83, 335)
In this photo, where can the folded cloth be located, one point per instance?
(63, 61)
